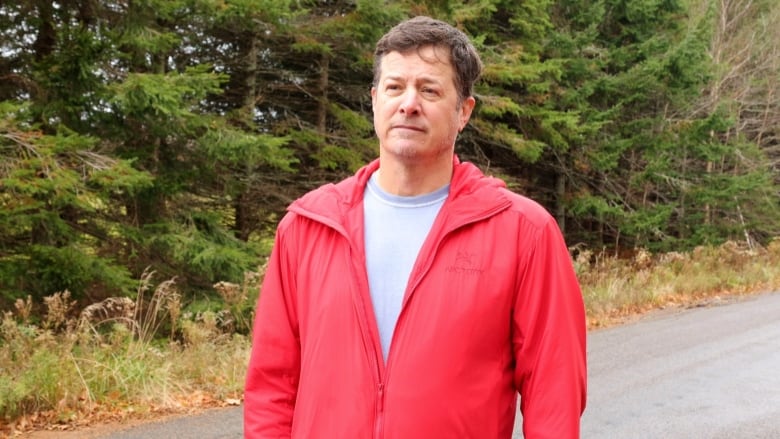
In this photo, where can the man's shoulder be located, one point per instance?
(347, 191)
(528, 208)
(328, 195)
(327, 204)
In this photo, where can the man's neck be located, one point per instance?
(408, 180)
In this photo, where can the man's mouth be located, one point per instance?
(409, 128)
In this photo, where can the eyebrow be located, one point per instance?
(422, 79)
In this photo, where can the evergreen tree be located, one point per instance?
(643, 177)
(116, 86)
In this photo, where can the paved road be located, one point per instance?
(710, 372)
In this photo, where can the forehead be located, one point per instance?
(427, 60)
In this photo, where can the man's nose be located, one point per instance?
(410, 103)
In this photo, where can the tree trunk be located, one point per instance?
(243, 226)
(322, 108)
(250, 78)
(560, 207)
(47, 34)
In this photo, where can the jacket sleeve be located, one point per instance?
(274, 364)
(549, 340)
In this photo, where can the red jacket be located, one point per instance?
(492, 307)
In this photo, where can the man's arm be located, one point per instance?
(549, 341)
(274, 365)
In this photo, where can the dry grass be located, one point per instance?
(616, 289)
(125, 358)
(118, 358)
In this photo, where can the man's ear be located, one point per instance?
(466, 107)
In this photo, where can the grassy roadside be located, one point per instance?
(617, 289)
(147, 357)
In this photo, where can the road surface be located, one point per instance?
(707, 372)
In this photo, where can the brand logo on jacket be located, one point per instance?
(465, 263)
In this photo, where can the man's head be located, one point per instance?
(421, 99)
(420, 32)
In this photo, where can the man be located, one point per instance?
(416, 298)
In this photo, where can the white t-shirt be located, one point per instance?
(395, 229)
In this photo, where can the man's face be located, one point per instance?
(415, 104)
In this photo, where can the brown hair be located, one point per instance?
(421, 31)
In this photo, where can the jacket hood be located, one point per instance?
(472, 195)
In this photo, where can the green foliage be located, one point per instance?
(54, 190)
(236, 147)
(35, 388)
(336, 157)
(504, 135)
(497, 106)
(200, 250)
(354, 123)
(247, 11)
(164, 98)
(62, 267)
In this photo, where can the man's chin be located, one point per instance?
(415, 151)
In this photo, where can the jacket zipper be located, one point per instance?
(374, 354)
(380, 411)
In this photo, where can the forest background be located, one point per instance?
(151, 146)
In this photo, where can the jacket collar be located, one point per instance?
(472, 195)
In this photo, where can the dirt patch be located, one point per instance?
(94, 424)
(92, 432)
